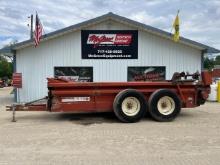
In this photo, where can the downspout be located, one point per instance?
(202, 58)
(14, 71)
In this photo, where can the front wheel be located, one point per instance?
(129, 106)
(164, 105)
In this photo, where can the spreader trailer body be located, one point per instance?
(130, 101)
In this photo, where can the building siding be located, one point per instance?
(36, 64)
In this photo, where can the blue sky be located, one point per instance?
(200, 19)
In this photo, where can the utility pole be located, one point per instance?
(31, 31)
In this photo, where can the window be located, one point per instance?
(146, 73)
(81, 74)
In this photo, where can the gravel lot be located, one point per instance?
(55, 138)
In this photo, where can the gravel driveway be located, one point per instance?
(99, 139)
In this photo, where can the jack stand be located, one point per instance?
(13, 114)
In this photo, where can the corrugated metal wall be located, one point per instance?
(36, 64)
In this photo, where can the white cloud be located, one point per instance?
(5, 42)
(159, 21)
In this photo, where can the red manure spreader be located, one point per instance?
(130, 101)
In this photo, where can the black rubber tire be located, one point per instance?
(117, 106)
(153, 110)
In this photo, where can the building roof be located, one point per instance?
(117, 18)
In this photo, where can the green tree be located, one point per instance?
(208, 63)
(5, 68)
(217, 60)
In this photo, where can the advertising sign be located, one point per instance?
(109, 44)
(80, 74)
(17, 80)
(146, 73)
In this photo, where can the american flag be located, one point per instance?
(38, 31)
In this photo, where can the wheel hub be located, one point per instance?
(166, 105)
(130, 106)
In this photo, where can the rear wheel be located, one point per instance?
(164, 105)
(129, 106)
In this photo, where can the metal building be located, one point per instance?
(106, 48)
